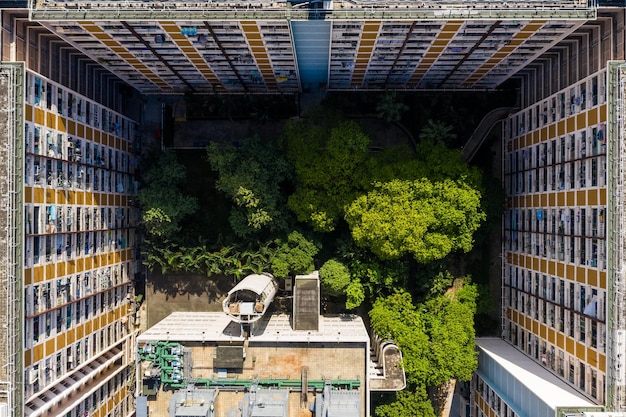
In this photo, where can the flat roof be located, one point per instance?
(342, 328)
(542, 383)
(183, 326)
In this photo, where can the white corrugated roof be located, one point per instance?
(542, 383)
(217, 326)
(253, 282)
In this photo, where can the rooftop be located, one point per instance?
(218, 327)
(311, 10)
(526, 385)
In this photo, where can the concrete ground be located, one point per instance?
(183, 292)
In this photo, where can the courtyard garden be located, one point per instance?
(400, 228)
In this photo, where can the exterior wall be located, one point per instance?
(11, 238)
(74, 231)
(486, 402)
(555, 290)
(160, 55)
(79, 229)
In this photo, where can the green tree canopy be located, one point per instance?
(163, 204)
(449, 323)
(437, 131)
(395, 317)
(329, 162)
(389, 108)
(424, 219)
(410, 402)
(251, 176)
(431, 159)
(293, 256)
(334, 277)
(436, 337)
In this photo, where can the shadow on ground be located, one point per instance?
(181, 291)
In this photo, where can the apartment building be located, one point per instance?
(68, 232)
(562, 284)
(69, 224)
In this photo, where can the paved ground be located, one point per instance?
(183, 292)
(198, 133)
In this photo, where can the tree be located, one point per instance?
(294, 256)
(410, 402)
(251, 176)
(389, 108)
(329, 159)
(334, 277)
(437, 131)
(436, 337)
(355, 294)
(395, 317)
(449, 323)
(424, 219)
(164, 205)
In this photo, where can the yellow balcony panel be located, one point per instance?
(97, 33)
(51, 120)
(38, 352)
(39, 116)
(38, 274)
(70, 336)
(50, 347)
(50, 272)
(28, 357)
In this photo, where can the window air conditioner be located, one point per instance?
(33, 375)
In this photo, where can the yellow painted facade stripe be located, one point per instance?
(570, 273)
(98, 33)
(445, 35)
(587, 354)
(519, 38)
(42, 195)
(556, 199)
(42, 273)
(364, 50)
(571, 124)
(50, 347)
(38, 116)
(183, 43)
(254, 38)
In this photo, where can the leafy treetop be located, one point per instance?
(164, 206)
(328, 162)
(294, 256)
(251, 176)
(424, 219)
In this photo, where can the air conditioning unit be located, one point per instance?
(33, 375)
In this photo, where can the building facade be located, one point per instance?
(68, 230)
(562, 295)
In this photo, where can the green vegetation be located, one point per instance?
(251, 176)
(293, 256)
(426, 220)
(329, 157)
(383, 225)
(334, 277)
(164, 205)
